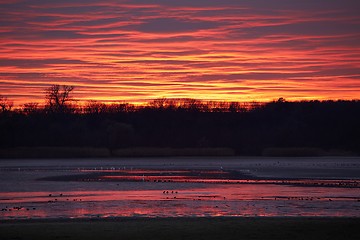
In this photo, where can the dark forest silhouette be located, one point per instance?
(275, 128)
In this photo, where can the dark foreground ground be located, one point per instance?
(184, 228)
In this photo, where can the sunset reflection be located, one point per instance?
(210, 200)
(91, 189)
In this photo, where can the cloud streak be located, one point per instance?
(138, 50)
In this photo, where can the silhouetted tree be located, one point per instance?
(58, 98)
(281, 100)
(29, 108)
(94, 107)
(158, 103)
(234, 107)
(248, 128)
(5, 104)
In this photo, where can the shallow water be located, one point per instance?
(179, 187)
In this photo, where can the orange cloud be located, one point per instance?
(138, 50)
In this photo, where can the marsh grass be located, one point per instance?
(53, 152)
(184, 228)
(158, 152)
(88, 152)
(304, 152)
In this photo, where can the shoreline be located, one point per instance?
(207, 218)
(345, 168)
(41, 152)
(184, 228)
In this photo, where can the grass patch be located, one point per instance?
(292, 152)
(304, 152)
(85, 152)
(186, 228)
(53, 152)
(168, 152)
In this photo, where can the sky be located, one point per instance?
(138, 50)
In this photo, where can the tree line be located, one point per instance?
(58, 100)
(248, 128)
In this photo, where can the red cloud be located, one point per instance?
(139, 50)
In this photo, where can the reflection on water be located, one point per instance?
(78, 193)
(212, 200)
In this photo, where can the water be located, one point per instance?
(100, 188)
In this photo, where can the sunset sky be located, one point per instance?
(137, 50)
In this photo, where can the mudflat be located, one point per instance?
(183, 228)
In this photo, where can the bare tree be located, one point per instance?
(94, 107)
(5, 104)
(58, 98)
(158, 103)
(31, 107)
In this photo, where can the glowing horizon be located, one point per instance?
(138, 50)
